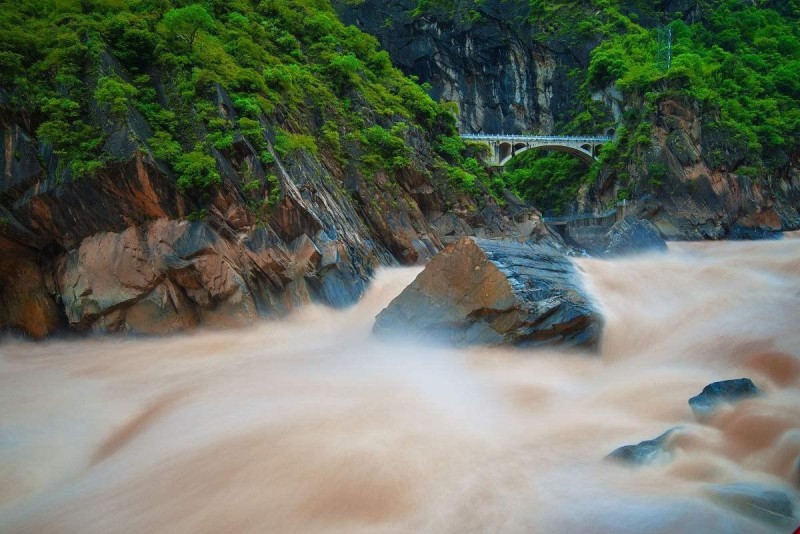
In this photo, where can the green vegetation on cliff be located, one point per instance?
(740, 63)
(734, 64)
(189, 79)
(549, 181)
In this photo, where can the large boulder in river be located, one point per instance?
(726, 391)
(632, 235)
(479, 291)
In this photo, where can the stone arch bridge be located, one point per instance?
(504, 147)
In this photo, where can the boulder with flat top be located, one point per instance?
(480, 291)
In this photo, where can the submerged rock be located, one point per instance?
(644, 452)
(757, 501)
(481, 291)
(634, 235)
(726, 391)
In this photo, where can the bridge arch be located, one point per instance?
(505, 151)
(504, 147)
(584, 155)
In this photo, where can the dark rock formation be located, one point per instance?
(503, 79)
(607, 238)
(738, 232)
(631, 235)
(480, 291)
(644, 452)
(760, 502)
(726, 391)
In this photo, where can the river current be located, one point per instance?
(310, 424)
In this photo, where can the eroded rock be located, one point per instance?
(632, 235)
(726, 391)
(25, 303)
(163, 277)
(645, 452)
(479, 291)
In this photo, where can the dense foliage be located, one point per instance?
(740, 63)
(549, 181)
(298, 80)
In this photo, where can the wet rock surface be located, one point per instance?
(717, 393)
(764, 503)
(645, 452)
(632, 235)
(480, 291)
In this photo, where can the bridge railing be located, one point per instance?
(581, 219)
(541, 138)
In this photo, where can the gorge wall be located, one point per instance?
(125, 250)
(505, 74)
(198, 164)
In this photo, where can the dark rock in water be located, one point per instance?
(725, 391)
(759, 502)
(481, 291)
(644, 452)
(744, 233)
(634, 235)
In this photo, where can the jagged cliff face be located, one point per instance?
(115, 251)
(700, 191)
(124, 248)
(702, 194)
(503, 79)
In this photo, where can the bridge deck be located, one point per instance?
(606, 218)
(538, 138)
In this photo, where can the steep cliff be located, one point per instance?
(691, 181)
(164, 168)
(505, 72)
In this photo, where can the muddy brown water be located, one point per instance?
(310, 424)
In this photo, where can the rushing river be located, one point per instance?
(312, 425)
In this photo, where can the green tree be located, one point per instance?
(183, 24)
(115, 93)
(197, 171)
